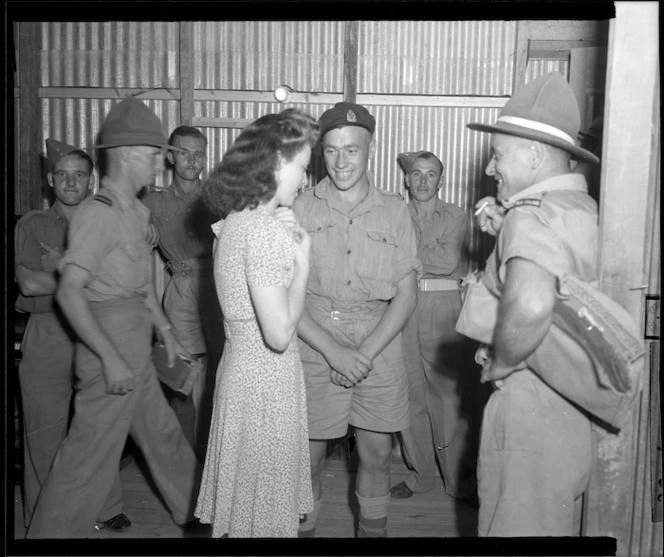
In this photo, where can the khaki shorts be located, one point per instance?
(378, 403)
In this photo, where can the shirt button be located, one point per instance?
(347, 282)
(384, 239)
(319, 228)
(350, 221)
(348, 251)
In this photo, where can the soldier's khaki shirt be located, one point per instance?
(553, 224)
(359, 256)
(442, 241)
(34, 228)
(109, 241)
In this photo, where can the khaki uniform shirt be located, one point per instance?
(359, 256)
(183, 223)
(36, 227)
(107, 238)
(553, 224)
(442, 241)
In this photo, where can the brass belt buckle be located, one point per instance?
(335, 314)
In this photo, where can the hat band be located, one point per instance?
(537, 126)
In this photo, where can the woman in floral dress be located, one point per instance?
(256, 481)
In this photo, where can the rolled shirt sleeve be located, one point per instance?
(406, 259)
(110, 244)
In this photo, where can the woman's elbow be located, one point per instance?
(278, 340)
(62, 294)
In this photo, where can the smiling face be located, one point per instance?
(291, 177)
(346, 151)
(424, 179)
(71, 179)
(510, 164)
(188, 165)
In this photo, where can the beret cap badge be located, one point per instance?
(350, 116)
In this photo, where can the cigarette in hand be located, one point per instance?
(482, 207)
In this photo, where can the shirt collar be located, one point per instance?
(565, 182)
(177, 190)
(55, 213)
(438, 207)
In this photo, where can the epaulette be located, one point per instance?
(388, 193)
(103, 199)
(33, 213)
(534, 202)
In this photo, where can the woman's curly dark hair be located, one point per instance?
(245, 175)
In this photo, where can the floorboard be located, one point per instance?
(427, 515)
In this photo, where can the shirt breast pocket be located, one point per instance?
(325, 243)
(379, 254)
(164, 216)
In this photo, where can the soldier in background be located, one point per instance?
(183, 224)
(444, 413)
(46, 370)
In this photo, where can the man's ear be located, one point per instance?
(372, 147)
(170, 157)
(91, 183)
(49, 179)
(536, 153)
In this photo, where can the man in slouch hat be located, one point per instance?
(535, 453)
(107, 294)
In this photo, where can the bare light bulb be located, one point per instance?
(282, 93)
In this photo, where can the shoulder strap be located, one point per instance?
(104, 199)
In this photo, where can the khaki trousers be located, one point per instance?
(46, 377)
(535, 460)
(445, 406)
(87, 460)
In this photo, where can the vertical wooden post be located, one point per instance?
(521, 55)
(615, 497)
(350, 61)
(187, 73)
(29, 192)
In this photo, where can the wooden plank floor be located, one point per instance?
(433, 514)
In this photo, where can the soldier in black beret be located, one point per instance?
(361, 290)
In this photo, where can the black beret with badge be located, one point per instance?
(346, 114)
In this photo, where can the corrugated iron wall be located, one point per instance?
(436, 57)
(535, 68)
(110, 54)
(261, 55)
